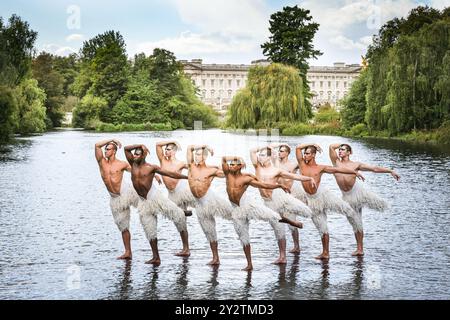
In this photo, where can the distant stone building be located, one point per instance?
(219, 83)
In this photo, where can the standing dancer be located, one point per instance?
(246, 207)
(353, 192)
(277, 200)
(179, 191)
(123, 196)
(319, 199)
(152, 201)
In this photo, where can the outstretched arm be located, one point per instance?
(367, 167)
(99, 145)
(332, 151)
(171, 174)
(254, 182)
(333, 170)
(299, 177)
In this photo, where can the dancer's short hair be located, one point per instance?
(311, 148)
(347, 146)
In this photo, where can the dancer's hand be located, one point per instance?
(318, 147)
(313, 183)
(285, 189)
(395, 175)
(117, 142)
(360, 176)
(158, 179)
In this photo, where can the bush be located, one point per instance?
(109, 127)
(359, 130)
(326, 114)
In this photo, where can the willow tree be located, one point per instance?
(273, 94)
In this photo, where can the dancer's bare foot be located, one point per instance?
(214, 262)
(187, 213)
(291, 222)
(183, 253)
(358, 253)
(248, 268)
(323, 256)
(295, 250)
(125, 256)
(154, 261)
(280, 261)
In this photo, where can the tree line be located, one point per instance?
(101, 85)
(406, 85)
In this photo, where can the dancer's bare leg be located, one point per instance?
(248, 256)
(359, 235)
(156, 259)
(185, 239)
(282, 249)
(291, 222)
(325, 247)
(214, 249)
(126, 237)
(295, 239)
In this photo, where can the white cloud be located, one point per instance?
(225, 27)
(75, 37)
(346, 43)
(440, 4)
(58, 50)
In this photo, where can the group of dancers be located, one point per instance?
(288, 189)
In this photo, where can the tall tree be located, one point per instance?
(51, 81)
(291, 42)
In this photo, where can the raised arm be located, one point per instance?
(225, 160)
(253, 154)
(99, 145)
(159, 147)
(367, 167)
(130, 148)
(171, 174)
(332, 152)
(333, 170)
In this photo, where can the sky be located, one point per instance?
(217, 31)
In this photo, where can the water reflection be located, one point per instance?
(151, 290)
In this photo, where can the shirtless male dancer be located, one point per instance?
(283, 162)
(277, 200)
(152, 201)
(209, 205)
(123, 196)
(246, 207)
(179, 191)
(353, 191)
(319, 199)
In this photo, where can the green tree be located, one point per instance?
(291, 42)
(30, 107)
(87, 113)
(7, 109)
(52, 82)
(272, 94)
(354, 105)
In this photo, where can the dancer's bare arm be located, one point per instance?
(254, 182)
(332, 150)
(333, 170)
(130, 148)
(189, 157)
(367, 167)
(253, 154)
(225, 160)
(159, 147)
(171, 174)
(99, 145)
(287, 175)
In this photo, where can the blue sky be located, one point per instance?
(217, 31)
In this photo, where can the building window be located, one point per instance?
(204, 94)
(229, 93)
(212, 82)
(207, 75)
(313, 84)
(321, 84)
(345, 84)
(238, 83)
(229, 83)
(221, 82)
(204, 82)
(212, 93)
(329, 84)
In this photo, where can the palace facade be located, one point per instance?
(218, 83)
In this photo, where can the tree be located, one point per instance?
(30, 107)
(51, 81)
(273, 93)
(354, 104)
(7, 109)
(291, 42)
